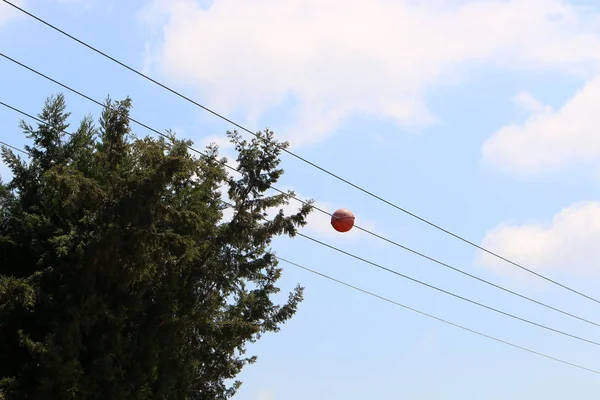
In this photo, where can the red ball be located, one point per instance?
(342, 220)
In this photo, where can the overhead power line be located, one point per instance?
(300, 200)
(513, 316)
(388, 300)
(13, 147)
(322, 169)
(422, 255)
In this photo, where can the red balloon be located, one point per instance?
(342, 220)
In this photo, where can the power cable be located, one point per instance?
(315, 207)
(385, 268)
(433, 316)
(395, 302)
(13, 147)
(322, 169)
(303, 201)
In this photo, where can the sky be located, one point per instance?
(477, 115)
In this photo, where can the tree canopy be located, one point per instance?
(119, 277)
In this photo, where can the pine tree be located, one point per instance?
(119, 278)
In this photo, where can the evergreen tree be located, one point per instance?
(119, 278)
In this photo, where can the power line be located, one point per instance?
(434, 317)
(376, 264)
(382, 297)
(299, 200)
(322, 169)
(13, 147)
(400, 304)
(329, 214)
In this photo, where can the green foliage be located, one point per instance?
(119, 278)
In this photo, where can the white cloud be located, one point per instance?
(147, 59)
(550, 139)
(568, 244)
(8, 13)
(525, 101)
(79, 6)
(373, 57)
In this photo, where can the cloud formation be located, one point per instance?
(526, 102)
(7, 12)
(567, 244)
(549, 139)
(335, 58)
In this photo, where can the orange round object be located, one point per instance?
(342, 220)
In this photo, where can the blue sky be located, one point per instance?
(477, 115)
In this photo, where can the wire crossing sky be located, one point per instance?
(377, 296)
(490, 133)
(507, 314)
(329, 214)
(336, 176)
